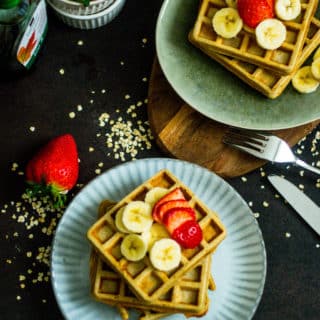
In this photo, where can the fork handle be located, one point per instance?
(307, 166)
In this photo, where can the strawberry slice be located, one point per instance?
(252, 12)
(188, 234)
(166, 206)
(175, 194)
(175, 217)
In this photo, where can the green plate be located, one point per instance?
(215, 92)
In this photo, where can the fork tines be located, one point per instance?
(246, 138)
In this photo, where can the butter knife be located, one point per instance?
(307, 209)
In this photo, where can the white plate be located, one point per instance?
(239, 264)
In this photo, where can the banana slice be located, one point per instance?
(165, 254)
(227, 23)
(146, 237)
(315, 68)
(304, 81)
(270, 34)
(231, 3)
(287, 9)
(119, 224)
(157, 232)
(316, 54)
(137, 216)
(133, 247)
(155, 194)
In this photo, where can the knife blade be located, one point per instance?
(307, 209)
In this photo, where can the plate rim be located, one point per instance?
(268, 127)
(88, 185)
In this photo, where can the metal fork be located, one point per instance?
(265, 146)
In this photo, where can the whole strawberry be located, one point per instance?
(54, 169)
(252, 12)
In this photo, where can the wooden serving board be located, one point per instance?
(184, 133)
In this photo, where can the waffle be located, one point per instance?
(144, 281)
(104, 281)
(188, 295)
(270, 84)
(244, 46)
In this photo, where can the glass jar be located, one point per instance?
(23, 27)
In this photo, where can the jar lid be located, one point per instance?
(7, 4)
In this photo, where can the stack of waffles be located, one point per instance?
(138, 285)
(267, 71)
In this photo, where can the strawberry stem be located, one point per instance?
(57, 195)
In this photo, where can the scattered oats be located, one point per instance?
(288, 234)
(127, 96)
(22, 277)
(29, 254)
(29, 271)
(244, 179)
(139, 103)
(91, 101)
(79, 107)
(262, 186)
(301, 173)
(91, 149)
(22, 285)
(265, 204)
(20, 173)
(144, 79)
(18, 298)
(301, 186)
(122, 63)
(250, 203)
(9, 261)
(44, 255)
(80, 43)
(103, 119)
(144, 40)
(93, 92)
(117, 110)
(21, 219)
(32, 129)
(14, 166)
(97, 171)
(16, 234)
(317, 245)
(103, 91)
(277, 196)
(72, 115)
(146, 100)
(256, 215)
(44, 301)
(30, 236)
(100, 164)
(299, 151)
(262, 173)
(61, 71)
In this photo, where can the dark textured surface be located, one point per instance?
(116, 58)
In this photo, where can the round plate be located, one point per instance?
(239, 263)
(215, 92)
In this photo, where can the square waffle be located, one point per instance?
(263, 80)
(244, 46)
(188, 295)
(147, 283)
(109, 288)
